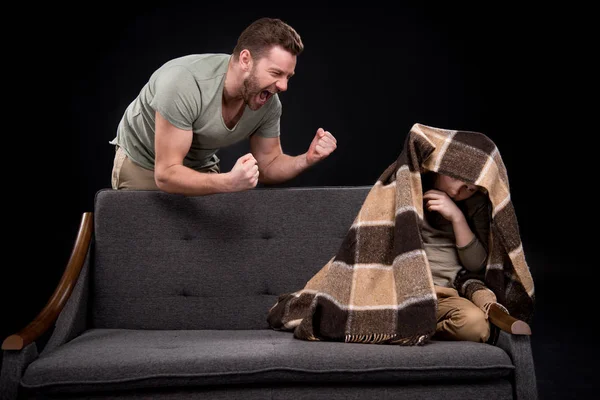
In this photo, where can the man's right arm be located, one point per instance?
(171, 145)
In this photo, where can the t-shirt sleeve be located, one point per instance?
(473, 255)
(177, 97)
(270, 125)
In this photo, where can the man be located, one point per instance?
(193, 105)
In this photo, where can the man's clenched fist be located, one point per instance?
(321, 146)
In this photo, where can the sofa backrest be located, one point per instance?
(164, 261)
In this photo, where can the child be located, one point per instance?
(455, 230)
(429, 255)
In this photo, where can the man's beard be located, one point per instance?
(251, 91)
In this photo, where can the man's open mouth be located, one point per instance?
(265, 95)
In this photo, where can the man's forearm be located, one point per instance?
(182, 180)
(283, 168)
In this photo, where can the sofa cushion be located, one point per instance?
(114, 359)
(164, 261)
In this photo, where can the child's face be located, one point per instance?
(456, 189)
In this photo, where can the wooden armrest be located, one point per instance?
(506, 322)
(54, 306)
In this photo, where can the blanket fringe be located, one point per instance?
(376, 338)
(416, 340)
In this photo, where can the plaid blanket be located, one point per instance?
(378, 287)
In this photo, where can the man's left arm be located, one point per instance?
(276, 167)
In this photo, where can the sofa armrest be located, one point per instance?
(46, 318)
(73, 318)
(14, 363)
(519, 350)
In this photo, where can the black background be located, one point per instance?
(367, 75)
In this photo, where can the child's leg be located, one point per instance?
(459, 319)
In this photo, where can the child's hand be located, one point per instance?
(436, 200)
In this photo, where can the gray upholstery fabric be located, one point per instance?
(211, 262)
(14, 363)
(131, 359)
(73, 318)
(496, 390)
(519, 349)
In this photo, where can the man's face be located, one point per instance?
(269, 75)
(454, 188)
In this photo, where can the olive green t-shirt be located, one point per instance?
(188, 92)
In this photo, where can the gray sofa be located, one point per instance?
(166, 296)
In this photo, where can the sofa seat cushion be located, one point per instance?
(114, 359)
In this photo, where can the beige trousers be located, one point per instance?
(458, 318)
(128, 175)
